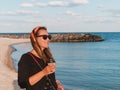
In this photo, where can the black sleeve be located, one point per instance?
(23, 71)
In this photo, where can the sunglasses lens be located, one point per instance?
(47, 36)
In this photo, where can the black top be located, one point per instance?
(28, 67)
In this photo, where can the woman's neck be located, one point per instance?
(35, 53)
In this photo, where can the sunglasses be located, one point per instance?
(45, 36)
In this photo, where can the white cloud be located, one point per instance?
(41, 4)
(5, 24)
(26, 5)
(19, 12)
(109, 10)
(72, 13)
(59, 3)
(53, 4)
(27, 12)
(100, 19)
(33, 21)
(117, 15)
(80, 1)
(7, 13)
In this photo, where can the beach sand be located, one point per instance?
(8, 75)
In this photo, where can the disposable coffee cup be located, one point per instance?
(51, 62)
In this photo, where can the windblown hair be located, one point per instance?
(46, 54)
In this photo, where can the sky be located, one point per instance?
(60, 15)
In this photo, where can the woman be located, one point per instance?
(34, 70)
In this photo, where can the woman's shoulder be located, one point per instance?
(25, 61)
(25, 57)
(25, 54)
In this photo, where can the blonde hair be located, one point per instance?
(46, 54)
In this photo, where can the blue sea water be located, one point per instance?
(84, 65)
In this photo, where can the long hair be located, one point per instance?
(46, 54)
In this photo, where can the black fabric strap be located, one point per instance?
(35, 60)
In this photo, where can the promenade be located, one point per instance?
(8, 75)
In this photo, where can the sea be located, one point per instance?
(84, 65)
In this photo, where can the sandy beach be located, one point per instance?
(8, 75)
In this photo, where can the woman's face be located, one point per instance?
(42, 40)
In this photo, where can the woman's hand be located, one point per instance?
(49, 69)
(60, 87)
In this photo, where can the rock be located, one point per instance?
(72, 37)
(60, 37)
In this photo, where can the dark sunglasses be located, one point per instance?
(45, 36)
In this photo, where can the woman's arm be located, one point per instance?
(36, 77)
(49, 69)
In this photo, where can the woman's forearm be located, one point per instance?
(49, 69)
(36, 77)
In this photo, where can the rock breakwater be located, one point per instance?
(60, 37)
(72, 37)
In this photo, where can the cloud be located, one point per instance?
(26, 5)
(25, 12)
(80, 1)
(100, 19)
(57, 3)
(114, 12)
(7, 13)
(109, 15)
(117, 15)
(71, 13)
(19, 12)
(109, 10)
(33, 21)
(53, 4)
(5, 24)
